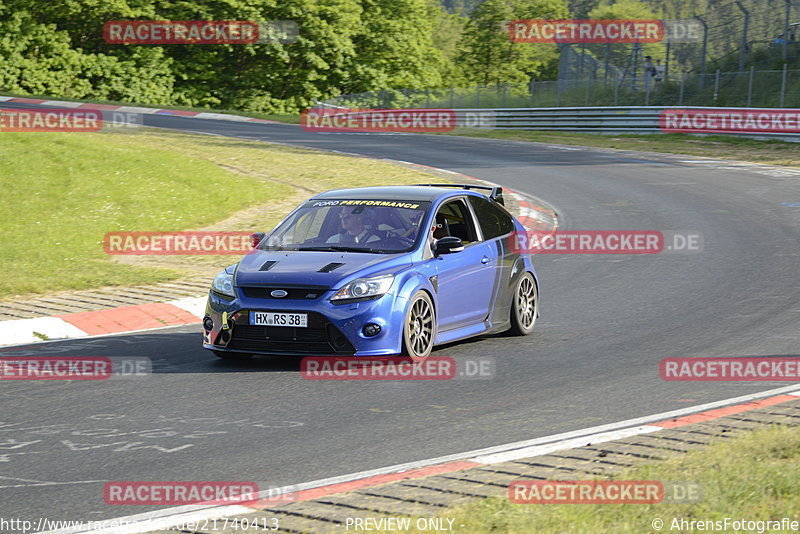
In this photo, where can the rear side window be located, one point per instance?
(494, 221)
(454, 219)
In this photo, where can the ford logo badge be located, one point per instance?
(279, 293)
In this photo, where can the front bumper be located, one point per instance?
(333, 329)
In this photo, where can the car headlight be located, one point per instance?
(223, 282)
(365, 288)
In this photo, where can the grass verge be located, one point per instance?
(771, 152)
(64, 191)
(754, 476)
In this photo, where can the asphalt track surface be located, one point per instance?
(607, 321)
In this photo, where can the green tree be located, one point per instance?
(624, 9)
(37, 56)
(580, 8)
(447, 35)
(394, 47)
(344, 46)
(487, 54)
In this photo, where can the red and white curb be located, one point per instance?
(120, 320)
(134, 109)
(533, 216)
(168, 518)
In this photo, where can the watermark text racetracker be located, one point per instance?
(731, 369)
(73, 367)
(397, 368)
(177, 243)
(64, 120)
(603, 492)
(179, 493)
(606, 242)
(730, 120)
(586, 31)
(394, 120)
(604, 31)
(163, 32)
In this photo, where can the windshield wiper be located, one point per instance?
(343, 248)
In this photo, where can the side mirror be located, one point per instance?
(447, 245)
(256, 238)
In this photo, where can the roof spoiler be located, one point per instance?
(495, 193)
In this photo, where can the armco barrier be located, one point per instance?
(746, 122)
(631, 119)
(759, 123)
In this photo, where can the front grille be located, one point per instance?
(321, 337)
(294, 292)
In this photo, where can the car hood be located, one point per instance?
(263, 268)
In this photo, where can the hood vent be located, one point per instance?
(268, 265)
(331, 266)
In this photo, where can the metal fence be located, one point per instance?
(731, 36)
(756, 88)
(739, 56)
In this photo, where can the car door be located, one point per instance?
(497, 228)
(465, 279)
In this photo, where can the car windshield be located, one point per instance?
(350, 225)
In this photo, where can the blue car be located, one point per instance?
(376, 271)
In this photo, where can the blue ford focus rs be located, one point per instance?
(376, 271)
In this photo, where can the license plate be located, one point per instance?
(298, 320)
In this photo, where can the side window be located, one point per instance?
(494, 221)
(453, 219)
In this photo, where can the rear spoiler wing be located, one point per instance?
(495, 193)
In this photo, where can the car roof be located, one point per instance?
(395, 192)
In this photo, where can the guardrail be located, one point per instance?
(758, 123)
(628, 119)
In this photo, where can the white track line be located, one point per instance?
(539, 450)
(167, 518)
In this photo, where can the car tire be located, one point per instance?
(524, 306)
(419, 327)
(232, 355)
